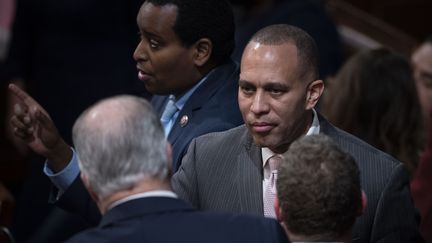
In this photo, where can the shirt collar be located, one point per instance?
(314, 129)
(156, 193)
(184, 98)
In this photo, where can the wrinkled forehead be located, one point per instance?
(269, 60)
(270, 51)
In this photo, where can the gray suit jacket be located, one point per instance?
(223, 171)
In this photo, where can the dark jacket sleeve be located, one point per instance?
(396, 218)
(77, 200)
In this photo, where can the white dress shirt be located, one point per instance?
(266, 153)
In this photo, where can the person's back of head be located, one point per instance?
(212, 19)
(373, 96)
(120, 143)
(319, 191)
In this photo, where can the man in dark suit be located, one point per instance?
(184, 56)
(319, 195)
(125, 164)
(278, 90)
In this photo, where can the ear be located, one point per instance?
(361, 210)
(278, 210)
(314, 92)
(202, 51)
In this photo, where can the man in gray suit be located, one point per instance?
(279, 87)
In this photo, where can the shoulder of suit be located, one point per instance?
(353, 144)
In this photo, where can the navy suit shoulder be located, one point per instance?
(159, 219)
(212, 107)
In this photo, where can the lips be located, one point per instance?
(143, 75)
(262, 127)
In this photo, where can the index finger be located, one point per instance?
(22, 95)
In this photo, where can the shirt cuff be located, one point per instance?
(63, 179)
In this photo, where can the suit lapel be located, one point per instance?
(328, 129)
(249, 164)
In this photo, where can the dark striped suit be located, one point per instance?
(223, 172)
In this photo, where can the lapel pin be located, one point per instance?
(184, 120)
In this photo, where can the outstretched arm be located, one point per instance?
(33, 125)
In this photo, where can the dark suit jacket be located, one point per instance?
(223, 172)
(161, 219)
(212, 107)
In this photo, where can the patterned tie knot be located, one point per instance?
(275, 162)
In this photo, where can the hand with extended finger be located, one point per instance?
(32, 124)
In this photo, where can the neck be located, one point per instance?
(301, 129)
(200, 73)
(143, 186)
(345, 238)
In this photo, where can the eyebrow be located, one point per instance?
(244, 82)
(274, 85)
(271, 85)
(151, 35)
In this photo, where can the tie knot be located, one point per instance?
(170, 110)
(274, 162)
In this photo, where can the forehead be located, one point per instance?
(269, 62)
(157, 19)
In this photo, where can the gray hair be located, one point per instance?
(319, 189)
(119, 141)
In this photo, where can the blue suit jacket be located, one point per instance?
(161, 219)
(212, 107)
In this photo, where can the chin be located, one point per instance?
(157, 90)
(261, 141)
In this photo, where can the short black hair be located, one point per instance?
(307, 50)
(212, 19)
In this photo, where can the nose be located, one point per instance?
(140, 53)
(259, 104)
